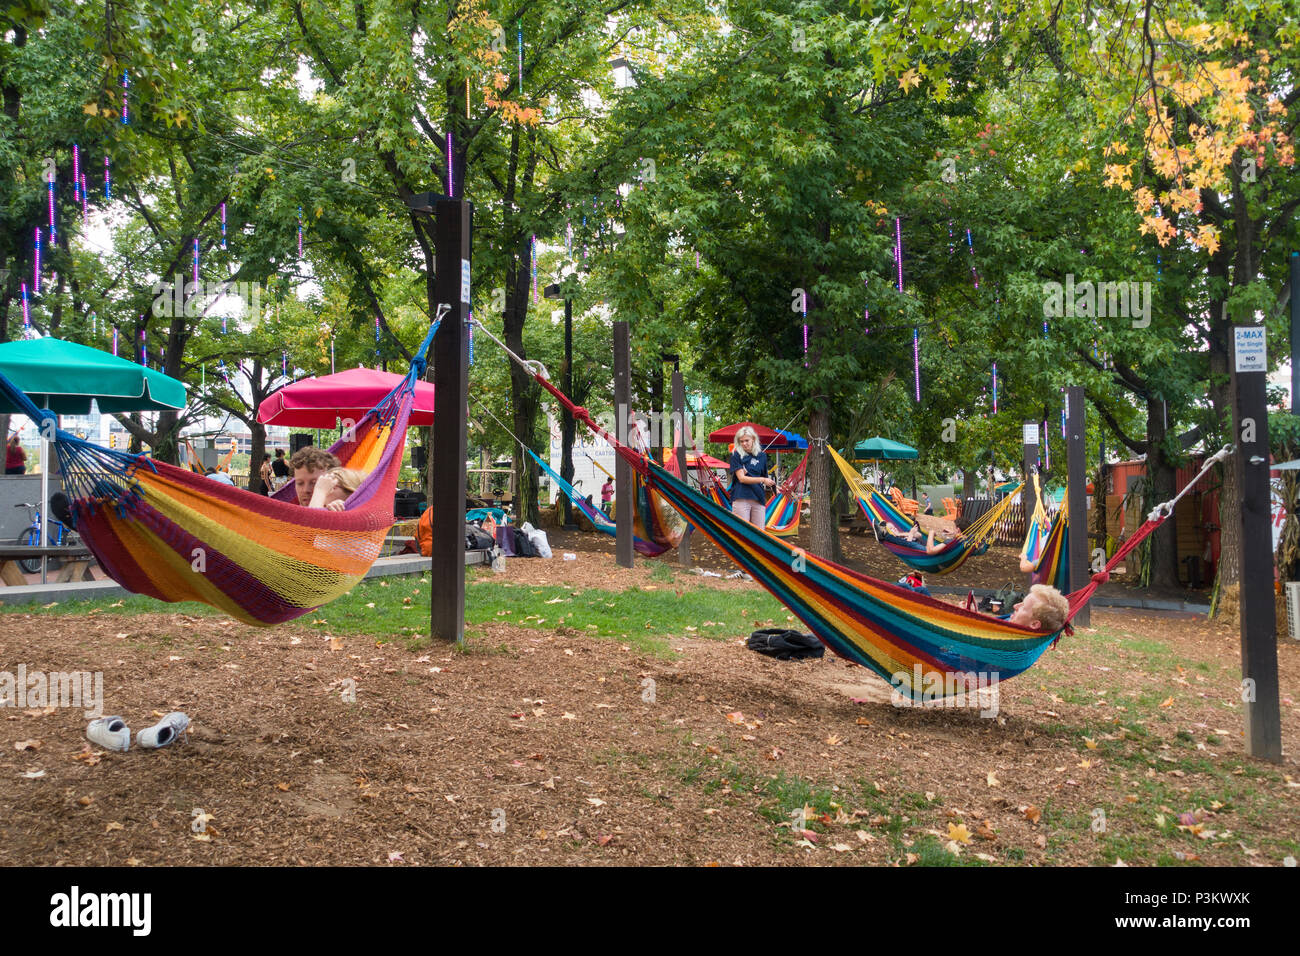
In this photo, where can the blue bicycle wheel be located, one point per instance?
(30, 538)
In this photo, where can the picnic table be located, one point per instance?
(76, 562)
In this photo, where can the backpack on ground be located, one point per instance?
(785, 645)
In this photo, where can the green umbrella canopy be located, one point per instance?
(877, 448)
(67, 376)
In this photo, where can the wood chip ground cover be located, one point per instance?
(549, 743)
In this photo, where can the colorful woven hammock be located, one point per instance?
(598, 518)
(974, 541)
(782, 516)
(174, 535)
(1047, 544)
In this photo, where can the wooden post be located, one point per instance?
(450, 369)
(624, 503)
(567, 424)
(1295, 333)
(1030, 461)
(679, 446)
(1259, 690)
(1077, 505)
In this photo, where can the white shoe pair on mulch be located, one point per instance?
(112, 733)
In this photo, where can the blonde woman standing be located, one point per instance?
(749, 478)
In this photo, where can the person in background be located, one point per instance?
(606, 494)
(15, 457)
(926, 507)
(749, 484)
(220, 476)
(308, 464)
(267, 474)
(280, 467)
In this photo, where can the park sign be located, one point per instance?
(1250, 350)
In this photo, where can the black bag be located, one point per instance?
(785, 645)
(476, 539)
(524, 547)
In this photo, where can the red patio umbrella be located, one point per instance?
(727, 435)
(317, 402)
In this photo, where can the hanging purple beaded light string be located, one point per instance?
(115, 340)
(27, 310)
(85, 207)
(300, 232)
(995, 388)
(108, 178)
(36, 265)
(223, 225)
(971, 246)
(196, 262)
(76, 172)
(533, 247)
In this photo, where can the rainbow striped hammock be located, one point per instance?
(174, 535)
(598, 518)
(1047, 544)
(904, 637)
(782, 515)
(974, 541)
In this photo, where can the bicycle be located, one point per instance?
(57, 535)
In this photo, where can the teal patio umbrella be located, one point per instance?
(875, 449)
(65, 377)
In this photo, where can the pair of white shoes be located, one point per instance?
(112, 733)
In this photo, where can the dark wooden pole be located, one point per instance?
(450, 376)
(1030, 462)
(622, 427)
(1295, 333)
(1258, 614)
(1076, 464)
(568, 426)
(679, 445)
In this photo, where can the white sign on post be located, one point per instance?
(1031, 433)
(464, 281)
(1250, 349)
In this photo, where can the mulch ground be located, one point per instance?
(550, 747)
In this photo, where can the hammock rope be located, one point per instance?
(784, 510)
(904, 637)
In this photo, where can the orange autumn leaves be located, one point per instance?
(473, 19)
(1198, 118)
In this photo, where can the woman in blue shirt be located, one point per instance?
(749, 478)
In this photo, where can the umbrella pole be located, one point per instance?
(45, 496)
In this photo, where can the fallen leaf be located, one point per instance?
(833, 740)
(32, 774)
(957, 832)
(109, 828)
(736, 717)
(1167, 702)
(396, 855)
(336, 643)
(86, 801)
(27, 745)
(605, 839)
(1090, 743)
(992, 780)
(202, 837)
(596, 801)
(282, 786)
(1032, 814)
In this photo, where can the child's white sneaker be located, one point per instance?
(163, 732)
(111, 733)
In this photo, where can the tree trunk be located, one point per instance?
(1160, 487)
(821, 540)
(968, 483)
(1229, 566)
(523, 390)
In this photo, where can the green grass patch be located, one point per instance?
(397, 609)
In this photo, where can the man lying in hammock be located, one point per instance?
(911, 539)
(1044, 608)
(308, 465)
